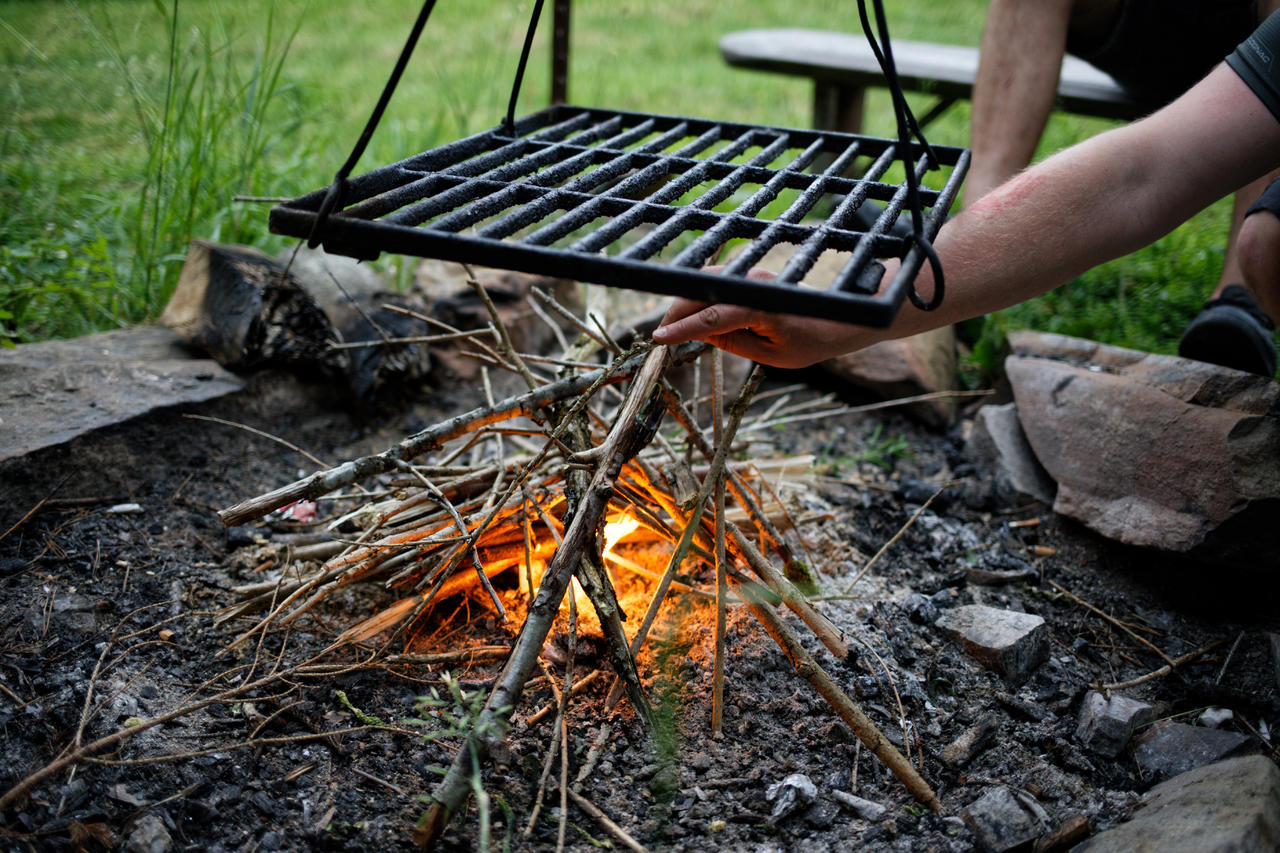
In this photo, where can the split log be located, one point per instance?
(239, 305)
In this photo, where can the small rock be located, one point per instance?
(1231, 806)
(700, 762)
(962, 750)
(1105, 726)
(1001, 821)
(920, 609)
(791, 794)
(1213, 718)
(944, 598)
(864, 809)
(1006, 641)
(149, 835)
(998, 438)
(1167, 749)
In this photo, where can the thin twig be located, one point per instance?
(1164, 670)
(277, 439)
(722, 588)
(412, 339)
(603, 819)
(756, 426)
(1113, 621)
(840, 702)
(504, 337)
(551, 302)
(1227, 661)
(35, 508)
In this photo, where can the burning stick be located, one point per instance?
(624, 441)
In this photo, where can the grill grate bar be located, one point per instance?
(723, 189)
(643, 178)
(608, 172)
(673, 190)
(805, 257)
(480, 208)
(750, 256)
(702, 248)
(644, 201)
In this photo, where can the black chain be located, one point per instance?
(338, 188)
(907, 128)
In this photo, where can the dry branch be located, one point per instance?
(862, 725)
(324, 482)
(1166, 669)
(624, 441)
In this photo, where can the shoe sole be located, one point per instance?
(1229, 337)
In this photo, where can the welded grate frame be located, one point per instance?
(567, 167)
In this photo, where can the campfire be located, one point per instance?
(566, 508)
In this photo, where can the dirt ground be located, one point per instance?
(106, 621)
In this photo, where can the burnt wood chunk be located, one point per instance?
(240, 306)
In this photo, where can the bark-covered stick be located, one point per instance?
(862, 726)
(822, 627)
(722, 589)
(491, 724)
(324, 482)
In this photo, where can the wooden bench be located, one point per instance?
(842, 67)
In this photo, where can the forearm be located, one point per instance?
(1099, 200)
(1086, 205)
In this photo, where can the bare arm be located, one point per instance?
(1093, 202)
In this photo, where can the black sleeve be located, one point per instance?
(1257, 61)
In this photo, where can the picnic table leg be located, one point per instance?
(837, 107)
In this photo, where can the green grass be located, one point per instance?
(124, 135)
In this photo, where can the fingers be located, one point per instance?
(687, 320)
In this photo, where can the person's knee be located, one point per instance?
(1259, 248)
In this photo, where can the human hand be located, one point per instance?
(782, 340)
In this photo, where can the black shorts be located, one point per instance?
(1161, 48)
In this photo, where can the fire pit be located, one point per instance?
(554, 510)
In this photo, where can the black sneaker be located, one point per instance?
(1232, 331)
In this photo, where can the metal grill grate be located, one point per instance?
(646, 202)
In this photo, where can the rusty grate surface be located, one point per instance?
(646, 202)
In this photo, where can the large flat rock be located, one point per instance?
(1153, 450)
(1229, 807)
(53, 391)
